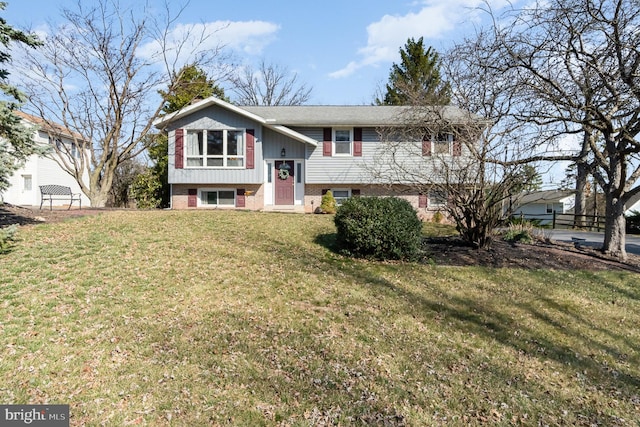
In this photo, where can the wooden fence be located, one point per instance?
(558, 220)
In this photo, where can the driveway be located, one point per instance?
(592, 239)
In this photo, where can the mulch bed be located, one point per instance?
(538, 255)
(11, 214)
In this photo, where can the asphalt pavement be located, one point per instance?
(592, 239)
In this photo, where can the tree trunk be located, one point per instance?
(98, 199)
(614, 235)
(581, 198)
(582, 174)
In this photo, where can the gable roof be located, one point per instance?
(279, 118)
(547, 196)
(52, 128)
(212, 100)
(353, 115)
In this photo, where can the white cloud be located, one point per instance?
(346, 71)
(433, 20)
(250, 36)
(187, 40)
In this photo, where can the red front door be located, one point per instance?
(285, 182)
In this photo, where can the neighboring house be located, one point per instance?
(43, 170)
(285, 157)
(633, 205)
(543, 204)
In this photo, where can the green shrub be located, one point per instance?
(516, 220)
(437, 217)
(379, 228)
(328, 203)
(147, 190)
(7, 238)
(522, 233)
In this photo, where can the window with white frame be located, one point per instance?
(437, 198)
(217, 198)
(69, 148)
(442, 143)
(215, 148)
(549, 208)
(340, 195)
(27, 182)
(342, 142)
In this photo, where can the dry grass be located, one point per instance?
(214, 318)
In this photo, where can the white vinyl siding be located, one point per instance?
(219, 119)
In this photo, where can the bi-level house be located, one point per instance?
(45, 170)
(285, 157)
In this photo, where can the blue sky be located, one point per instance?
(342, 49)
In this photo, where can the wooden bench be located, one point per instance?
(58, 192)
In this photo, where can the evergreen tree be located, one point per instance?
(16, 140)
(151, 188)
(192, 84)
(416, 80)
(528, 179)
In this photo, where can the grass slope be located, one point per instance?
(214, 318)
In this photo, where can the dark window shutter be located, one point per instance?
(357, 142)
(192, 202)
(326, 144)
(355, 193)
(240, 201)
(423, 201)
(426, 145)
(251, 142)
(179, 158)
(324, 191)
(457, 147)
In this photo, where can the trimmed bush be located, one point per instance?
(7, 238)
(146, 189)
(379, 228)
(328, 203)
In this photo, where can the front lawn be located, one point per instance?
(241, 318)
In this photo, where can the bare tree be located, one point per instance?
(468, 154)
(98, 74)
(269, 85)
(579, 63)
(552, 70)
